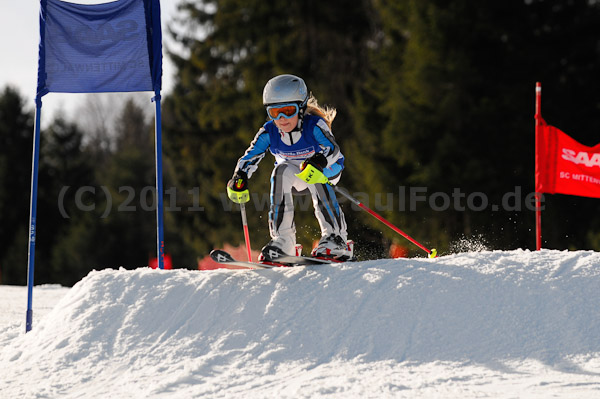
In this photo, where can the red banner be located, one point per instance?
(564, 166)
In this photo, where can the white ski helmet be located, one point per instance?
(285, 89)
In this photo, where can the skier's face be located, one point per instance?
(287, 125)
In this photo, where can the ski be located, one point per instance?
(273, 258)
(274, 254)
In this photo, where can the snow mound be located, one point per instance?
(344, 330)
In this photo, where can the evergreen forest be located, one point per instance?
(435, 102)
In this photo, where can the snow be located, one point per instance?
(495, 324)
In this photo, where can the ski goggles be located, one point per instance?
(288, 110)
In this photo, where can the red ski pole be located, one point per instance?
(246, 233)
(237, 191)
(432, 253)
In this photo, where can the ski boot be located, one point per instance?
(334, 247)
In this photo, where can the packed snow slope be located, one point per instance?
(486, 324)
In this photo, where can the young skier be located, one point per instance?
(298, 134)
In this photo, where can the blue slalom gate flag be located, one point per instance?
(98, 48)
(110, 47)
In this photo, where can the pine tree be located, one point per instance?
(64, 169)
(16, 131)
(131, 181)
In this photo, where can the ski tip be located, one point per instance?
(221, 256)
(433, 253)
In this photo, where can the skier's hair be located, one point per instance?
(326, 112)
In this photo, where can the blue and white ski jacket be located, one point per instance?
(294, 147)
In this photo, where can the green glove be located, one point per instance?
(311, 170)
(237, 188)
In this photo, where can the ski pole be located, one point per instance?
(312, 175)
(432, 253)
(246, 233)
